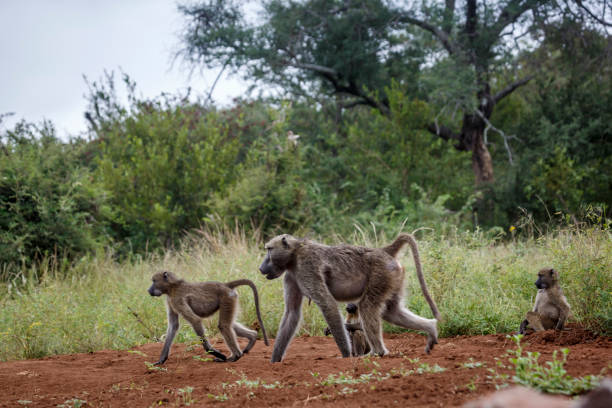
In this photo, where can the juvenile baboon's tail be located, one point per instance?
(247, 282)
(393, 250)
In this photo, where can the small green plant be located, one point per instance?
(367, 362)
(552, 377)
(24, 402)
(473, 364)
(347, 391)
(221, 397)
(343, 378)
(245, 382)
(73, 403)
(153, 367)
(203, 359)
(140, 353)
(471, 386)
(425, 368)
(186, 397)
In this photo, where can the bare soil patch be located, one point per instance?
(114, 378)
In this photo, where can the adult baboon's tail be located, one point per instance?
(393, 250)
(247, 282)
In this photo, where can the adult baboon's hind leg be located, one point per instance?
(397, 314)
(370, 309)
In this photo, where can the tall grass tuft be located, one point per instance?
(481, 286)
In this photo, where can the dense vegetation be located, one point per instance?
(488, 127)
(480, 288)
(151, 170)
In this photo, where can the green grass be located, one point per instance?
(550, 377)
(480, 286)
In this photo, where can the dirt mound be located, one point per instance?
(312, 374)
(573, 335)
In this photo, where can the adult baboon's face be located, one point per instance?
(161, 282)
(280, 256)
(546, 278)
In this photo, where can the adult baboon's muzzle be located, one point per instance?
(269, 270)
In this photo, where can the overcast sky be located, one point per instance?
(46, 46)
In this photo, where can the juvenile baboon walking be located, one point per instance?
(372, 278)
(551, 308)
(195, 301)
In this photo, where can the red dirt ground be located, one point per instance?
(121, 378)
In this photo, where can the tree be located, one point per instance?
(352, 49)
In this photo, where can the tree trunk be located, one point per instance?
(472, 137)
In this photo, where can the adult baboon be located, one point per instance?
(551, 308)
(195, 301)
(372, 278)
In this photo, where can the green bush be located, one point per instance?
(51, 209)
(161, 162)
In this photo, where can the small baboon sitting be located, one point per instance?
(195, 301)
(551, 308)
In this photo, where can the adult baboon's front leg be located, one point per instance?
(173, 325)
(290, 320)
(335, 322)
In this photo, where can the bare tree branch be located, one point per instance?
(441, 35)
(501, 133)
(212, 88)
(510, 14)
(443, 131)
(316, 68)
(590, 13)
(511, 88)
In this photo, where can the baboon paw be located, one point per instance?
(218, 355)
(430, 345)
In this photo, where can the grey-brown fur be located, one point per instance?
(551, 309)
(195, 301)
(372, 278)
(359, 343)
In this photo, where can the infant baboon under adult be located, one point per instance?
(551, 308)
(359, 344)
(372, 278)
(195, 301)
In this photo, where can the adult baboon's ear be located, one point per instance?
(285, 243)
(166, 276)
